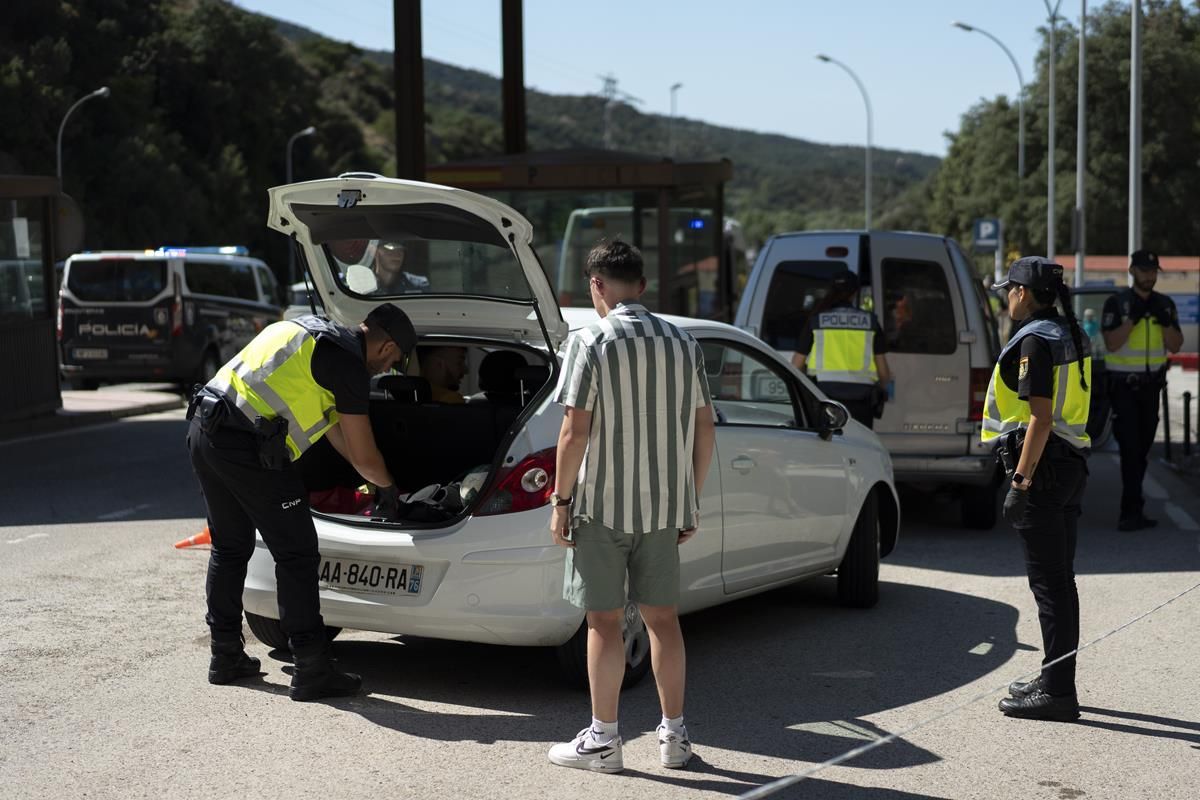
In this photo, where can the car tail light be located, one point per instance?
(177, 311)
(526, 486)
(979, 385)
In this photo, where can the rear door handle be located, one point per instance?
(743, 463)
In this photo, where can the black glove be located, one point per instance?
(1014, 504)
(1135, 309)
(387, 503)
(1163, 314)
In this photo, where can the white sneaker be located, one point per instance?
(674, 748)
(584, 752)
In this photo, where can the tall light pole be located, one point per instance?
(1053, 12)
(1020, 94)
(1135, 127)
(675, 87)
(867, 102)
(1081, 148)
(101, 92)
(309, 131)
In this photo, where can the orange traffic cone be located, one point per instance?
(203, 537)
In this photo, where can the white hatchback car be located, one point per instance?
(795, 490)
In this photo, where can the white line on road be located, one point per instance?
(30, 536)
(1182, 519)
(981, 649)
(124, 512)
(1153, 489)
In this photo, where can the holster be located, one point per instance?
(271, 437)
(1008, 451)
(209, 410)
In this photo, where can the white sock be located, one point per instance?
(603, 732)
(673, 725)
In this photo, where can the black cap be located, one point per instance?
(396, 324)
(1144, 259)
(845, 281)
(1033, 271)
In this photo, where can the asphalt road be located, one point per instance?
(103, 652)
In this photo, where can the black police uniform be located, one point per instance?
(241, 495)
(1135, 399)
(860, 399)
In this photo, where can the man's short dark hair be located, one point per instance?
(615, 261)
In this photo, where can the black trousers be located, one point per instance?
(241, 496)
(1048, 534)
(1135, 423)
(858, 399)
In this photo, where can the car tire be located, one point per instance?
(85, 384)
(978, 506)
(209, 366)
(858, 574)
(572, 656)
(270, 632)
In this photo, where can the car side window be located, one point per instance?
(270, 287)
(244, 287)
(918, 314)
(749, 389)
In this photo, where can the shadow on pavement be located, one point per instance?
(1193, 738)
(783, 674)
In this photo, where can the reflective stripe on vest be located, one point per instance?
(1143, 351)
(1004, 411)
(272, 377)
(844, 347)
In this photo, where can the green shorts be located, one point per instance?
(602, 558)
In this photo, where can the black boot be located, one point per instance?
(1025, 688)
(230, 662)
(1039, 705)
(316, 676)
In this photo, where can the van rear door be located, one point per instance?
(116, 309)
(919, 306)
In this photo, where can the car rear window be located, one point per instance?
(918, 312)
(118, 279)
(796, 289)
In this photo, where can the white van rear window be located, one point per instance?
(918, 312)
(117, 279)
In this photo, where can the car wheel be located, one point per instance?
(86, 384)
(858, 574)
(270, 632)
(208, 367)
(572, 656)
(978, 506)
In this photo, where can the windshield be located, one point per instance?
(118, 279)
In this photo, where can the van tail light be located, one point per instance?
(526, 486)
(979, 385)
(177, 312)
(58, 319)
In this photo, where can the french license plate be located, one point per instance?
(371, 578)
(91, 353)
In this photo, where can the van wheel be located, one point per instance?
(572, 656)
(270, 632)
(208, 367)
(858, 574)
(85, 384)
(978, 506)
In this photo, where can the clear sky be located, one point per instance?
(748, 64)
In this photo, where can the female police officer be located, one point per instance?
(1037, 412)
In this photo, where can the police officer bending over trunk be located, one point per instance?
(1140, 327)
(295, 382)
(1036, 412)
(844, 349)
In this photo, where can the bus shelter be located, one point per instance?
(674, 212)
(28, 292)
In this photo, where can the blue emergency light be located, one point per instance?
(696, 224)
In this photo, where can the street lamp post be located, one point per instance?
(867, 102)
(1053, 12)
(309, 131)
(675, 87)
(1020, 94)
(101, 92)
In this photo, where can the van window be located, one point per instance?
(796, 289)
(918, 312)
(117, 279)
(270, 286)
(222, 279)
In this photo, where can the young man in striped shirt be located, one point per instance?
(633, 453)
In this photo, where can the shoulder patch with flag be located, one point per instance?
(1023, 368)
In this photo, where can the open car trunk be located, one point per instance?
(441, 455)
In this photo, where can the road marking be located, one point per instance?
(981, 649)
(1153, 489)
(30, 536)
(125, 512)
(854, 673)
(1182, 519)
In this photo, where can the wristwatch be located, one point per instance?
(558, 500)
(1018, 478)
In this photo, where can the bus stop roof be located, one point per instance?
(578, 169)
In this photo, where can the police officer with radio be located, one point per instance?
(1140, 326)
(1036, 414)
(844, 349)
(296, 382)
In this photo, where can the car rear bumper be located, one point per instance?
(974, 470)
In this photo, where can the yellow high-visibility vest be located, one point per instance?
(1143, 351)
(272, 377)
(1004, 411)
(843, 348)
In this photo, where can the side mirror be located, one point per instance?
(831, 416)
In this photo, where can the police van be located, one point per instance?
(172, 314)
(941, 335)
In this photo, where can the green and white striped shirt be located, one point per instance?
(642, 379)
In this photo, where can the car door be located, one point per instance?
(783, 487)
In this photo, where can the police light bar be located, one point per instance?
(223, 250)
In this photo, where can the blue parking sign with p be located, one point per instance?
(986, 235)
